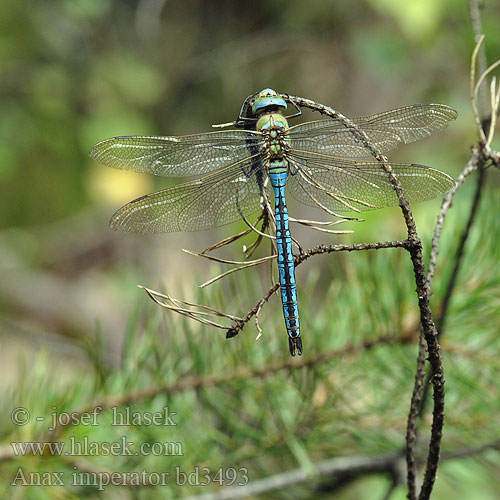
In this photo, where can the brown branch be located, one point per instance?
(477, 29)
(461, 247)
(480, 166)
(421, 388)
(470, 167)
(298, 259)
(428, 327)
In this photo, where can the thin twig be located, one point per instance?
(255, 230)
(470, 167)
(199, 316)
(226, 241)
(257, 324)
(473, 89)
(321, 223)
(494, 109)
(313, 224)
(460, 250)
(227, 261)
(456, 268)
(236, 269)
(477, 29)
(494, 104)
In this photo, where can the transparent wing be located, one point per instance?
(214, 200)
(340, 184)
(385, 130)
(177, 156)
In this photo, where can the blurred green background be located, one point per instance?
(76, 72)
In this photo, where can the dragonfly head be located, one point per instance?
(267, 101)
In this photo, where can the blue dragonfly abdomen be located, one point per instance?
(278, 173)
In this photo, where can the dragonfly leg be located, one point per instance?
(299, 111)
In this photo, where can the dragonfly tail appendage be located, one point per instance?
(286, 266)
(295, 345)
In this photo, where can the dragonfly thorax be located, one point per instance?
(271, 121)
(274, 127)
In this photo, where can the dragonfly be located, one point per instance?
(320, 163)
